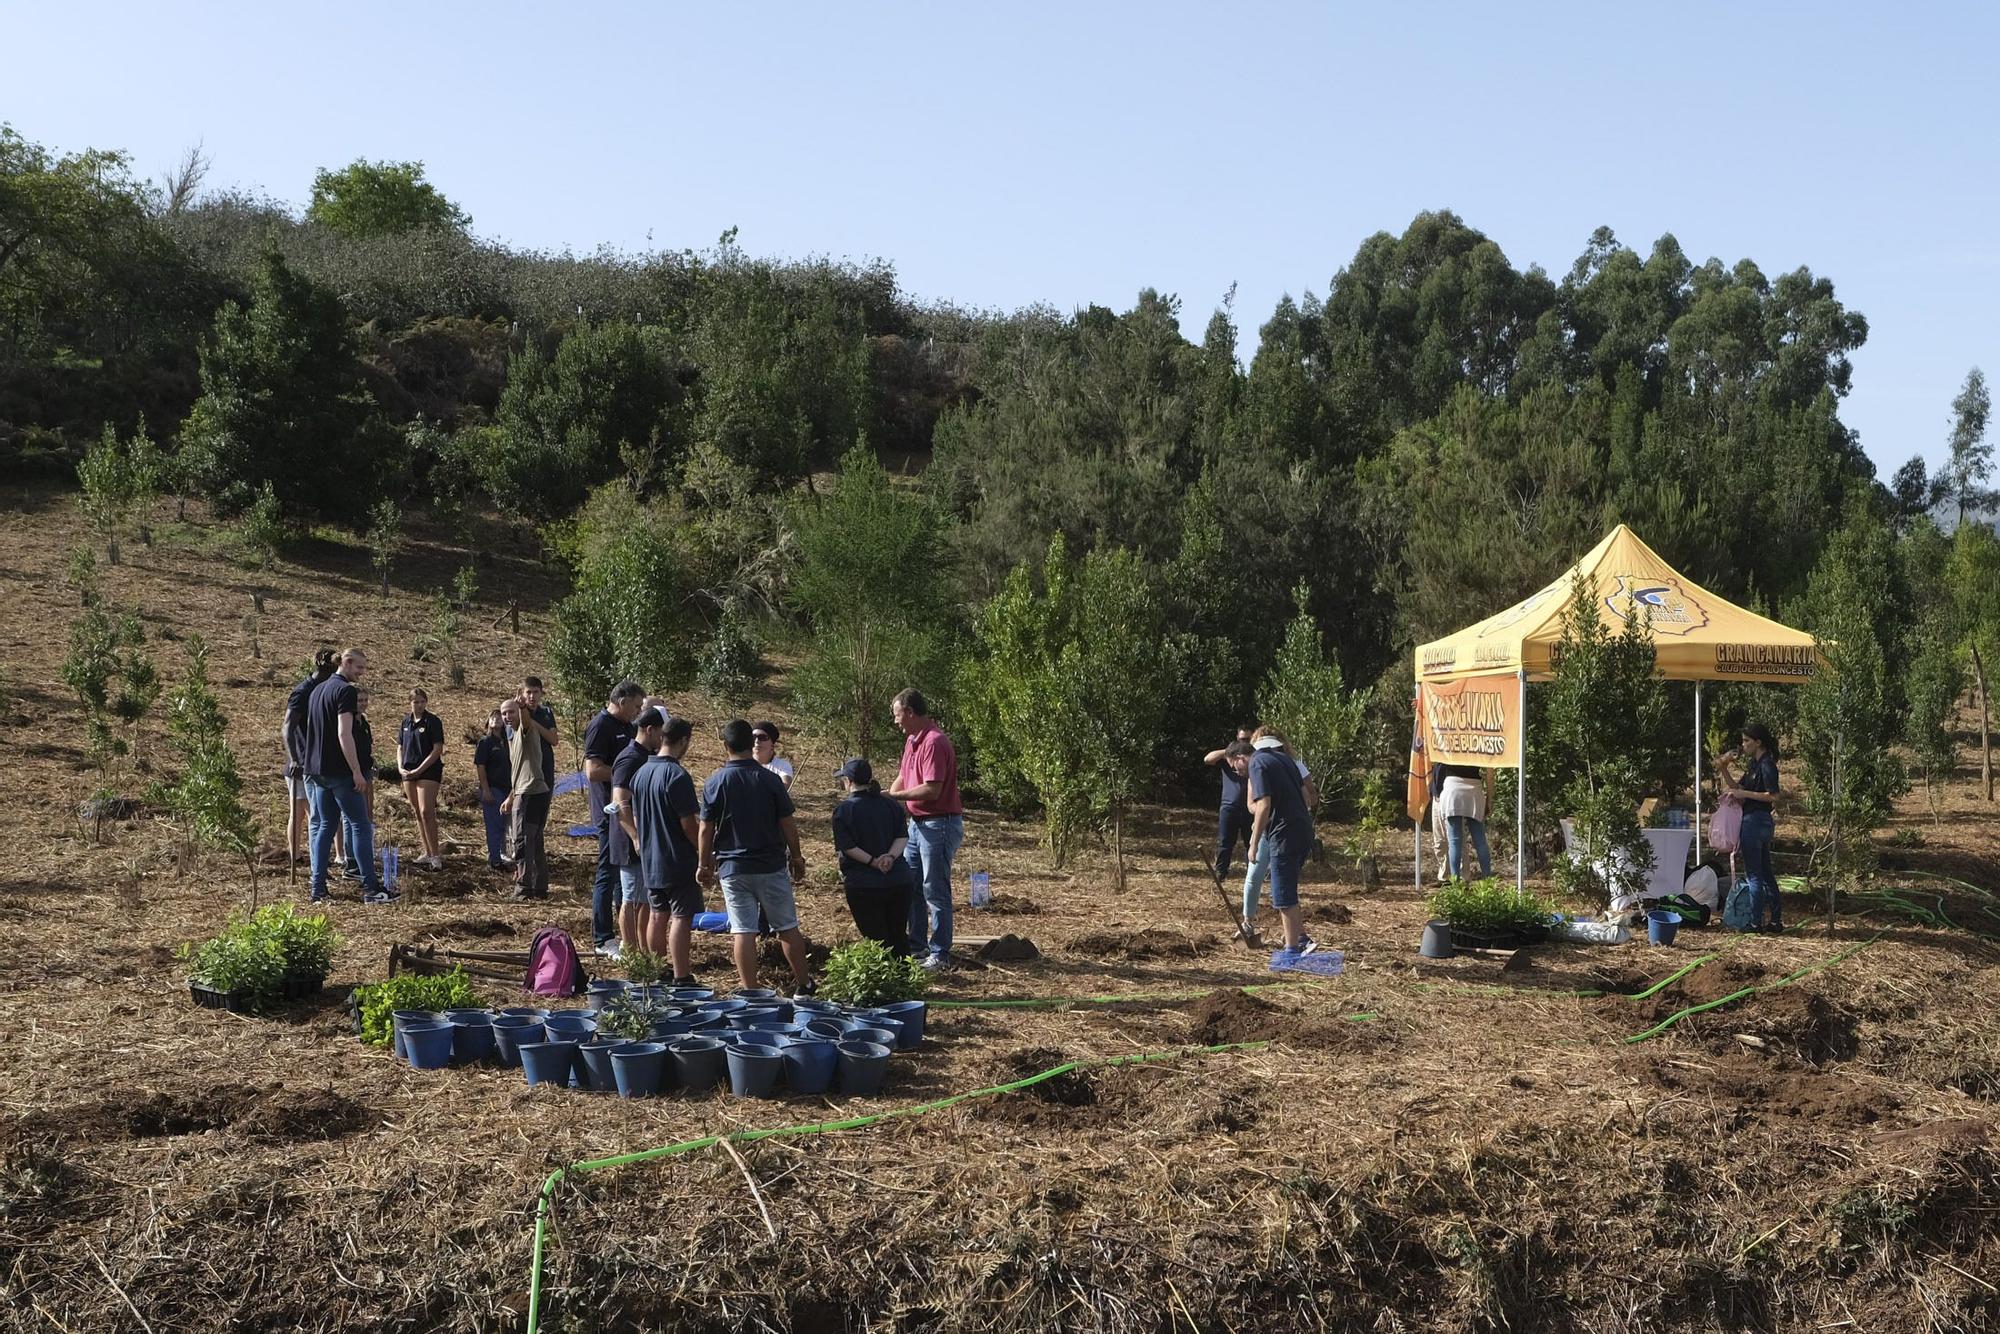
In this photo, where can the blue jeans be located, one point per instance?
(336, 801)
(496, 830)
(1232, 826)
(1755, 848)
(605, 892)
(1455, 830)
(1254, 876)
(933, 843)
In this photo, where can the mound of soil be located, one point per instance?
(1151, 943)
(272, 1113)
(1012, 904)
(1770, 1089)
(1237, 1016)
(1709, 982)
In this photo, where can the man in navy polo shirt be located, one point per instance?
(603, 741)
(665, 811)
(299, 822)
(1279, 813)
(337, 781)
(749, 839)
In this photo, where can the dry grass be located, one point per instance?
(1485, 1154)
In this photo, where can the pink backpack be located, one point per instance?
(1725, 827)
(553, 966)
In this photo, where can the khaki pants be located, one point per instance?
(526, 829)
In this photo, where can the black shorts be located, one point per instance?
(682, 902)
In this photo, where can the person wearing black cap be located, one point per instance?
(665, 827)
(870, 833)
(623, 833)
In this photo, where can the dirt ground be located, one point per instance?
(1437, 1146)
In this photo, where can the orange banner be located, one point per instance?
(1474, 721)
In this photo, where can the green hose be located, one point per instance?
(1751, 991)
(851, 1123)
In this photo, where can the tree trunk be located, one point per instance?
(1118, 846)
(1985, 726)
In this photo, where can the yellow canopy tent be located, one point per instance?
(1473, 685)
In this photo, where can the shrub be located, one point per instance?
(377, 1001)
(866, 973)
(258, 953)
(1306, 698)
(1489, 906)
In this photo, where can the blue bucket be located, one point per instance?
(548, 1062)
(637, 1068)
(754, 1069)
(912, 1014)
(570, 1025)
(752, 995)
(691, 994)
(512, 1033)
(833, 1030)
(429, 1045)
(862, 1065)
(593, 1059)
(472, 1039)
(699, 1063)
(887, 1037)
(525, 1011)
(397, 1018)
(809, 1064)
(1661, 926)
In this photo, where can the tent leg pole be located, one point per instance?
(1521, 799)
(1697, 773)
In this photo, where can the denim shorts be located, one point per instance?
(628, 884)
(744, 893)
(1286, 863)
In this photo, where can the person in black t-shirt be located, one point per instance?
(870, 832)
(1232, 818)
(299, 821)
(665, 810)
(420, 763)
(623, 833)
(337, 781)
(603, 741)
(496, 779)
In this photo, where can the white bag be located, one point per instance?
(1703, 887)
(1595, 933)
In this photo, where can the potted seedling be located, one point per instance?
(238, 970)
(866, 973)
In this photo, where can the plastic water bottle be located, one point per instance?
(389, 863)
(982, 889)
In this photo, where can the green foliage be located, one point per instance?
(729, 664)
(1849, 717)
(1066, 694)
(867, 973)
(1305, 697)
(262, 527)
(80, 573)
(446, 630)
(1962, 482)
(106, 652)
(280, 384)
(380, 199)
(564, 424)
(1488, 907)
(1603, 708)
(118, 478)
(258, 952)
(1379, 810)
(205, 799)
(874, 586)
(629, 613)
(643, 967)
(378, 1001)
(384, 537)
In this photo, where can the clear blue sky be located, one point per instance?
(1004, 154)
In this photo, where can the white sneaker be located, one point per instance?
(609, 949)
(932, 962)
(435, 862)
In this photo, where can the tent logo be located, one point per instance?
(1667, 604)
(1517, 613)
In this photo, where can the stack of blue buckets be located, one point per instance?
(755, 1042)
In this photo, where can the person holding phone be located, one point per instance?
(1757, 792)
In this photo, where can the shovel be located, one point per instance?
(1244, 931)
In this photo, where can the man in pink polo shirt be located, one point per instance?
(927, 784)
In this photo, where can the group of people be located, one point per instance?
(660, 840)
(1268, 797)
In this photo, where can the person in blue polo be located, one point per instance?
(750, 842)
(666, 821)
(337, 780)
(1279, 813)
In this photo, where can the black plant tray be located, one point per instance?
(208, 998)
(297, 988)
(1514, 939)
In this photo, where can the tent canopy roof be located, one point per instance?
(1697, 635)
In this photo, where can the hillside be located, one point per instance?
(1441, 1146)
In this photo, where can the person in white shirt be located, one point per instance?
(765, 734)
